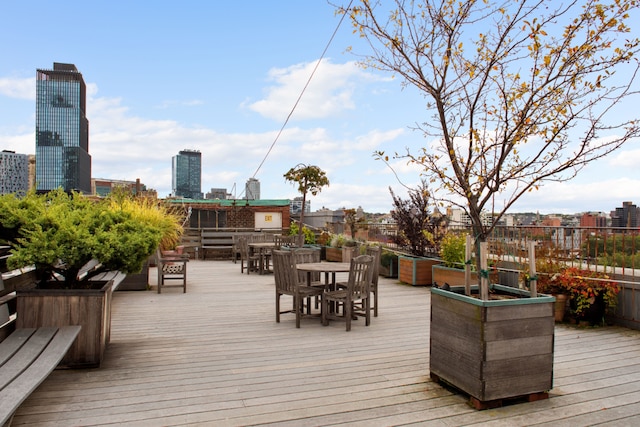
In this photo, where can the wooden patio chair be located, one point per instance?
(375, 252)
(173, 267)
(283, 241)
(246, 256)
(287, 283)
(306, 255)
(358, 290)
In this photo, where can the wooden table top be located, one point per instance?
(324, 267)
(262, 244)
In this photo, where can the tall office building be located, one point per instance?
(14, 173)
(252, 189)
(186, 172)
(627, 216)
(62, 130)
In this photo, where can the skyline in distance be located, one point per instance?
(222, 79)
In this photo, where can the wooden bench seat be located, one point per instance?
(27, 357)
(216, 241)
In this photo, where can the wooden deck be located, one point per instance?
(216, 356)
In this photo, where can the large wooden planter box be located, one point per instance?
(492, 350)
(416, 271)
(89, 308)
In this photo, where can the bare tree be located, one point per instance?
(519, 93)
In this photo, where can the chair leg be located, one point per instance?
(348, 313)
(375, 303)
(277, 307)
(323, 310)
(367, 315)
(297, 302)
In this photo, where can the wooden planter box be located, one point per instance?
(390, 268)
(136, 281)
(452, 276)
(343, 254)
(416, 271)
(492, 350)
(89, 308)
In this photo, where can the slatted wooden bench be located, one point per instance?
(216, 241)
(27, 357)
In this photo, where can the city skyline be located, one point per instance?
(225, 87)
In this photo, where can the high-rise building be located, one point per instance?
(62, 130)
(186, 172)
(252, 189)
(626, 217)
(14, 173)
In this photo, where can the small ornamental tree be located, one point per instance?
(418, 228)
(310, 179)
(517, 93)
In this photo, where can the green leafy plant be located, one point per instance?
(452, 250)
(309, 236)
(61, 233)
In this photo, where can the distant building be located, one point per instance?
(252, 189)
(626, 217)
(295, 207)
(103, 187)
(593, 219)
(459, 218)
(217, 193)
(551, 221)
(14, 173)
(326, 219)
(186, 173)
(62, 130)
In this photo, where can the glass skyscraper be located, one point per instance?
(186, 171)
(62, 130)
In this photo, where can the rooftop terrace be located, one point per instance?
(216, 356)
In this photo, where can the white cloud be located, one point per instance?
(329, 93)
(24, 88)
(626, 158)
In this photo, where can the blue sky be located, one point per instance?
(221, 77)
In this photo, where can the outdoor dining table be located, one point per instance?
(263, 249)
(326, 268)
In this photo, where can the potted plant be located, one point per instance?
(451, 271)
(592, 294)
(548, 270)
(70, 240)
(476, 342)
(388, 263)
(420, 231)
(341, 248)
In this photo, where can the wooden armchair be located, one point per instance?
(287, 283)
(172, 267)
(357, 291)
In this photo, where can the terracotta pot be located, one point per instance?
(560, 307)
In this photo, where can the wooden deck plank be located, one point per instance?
(216, 356)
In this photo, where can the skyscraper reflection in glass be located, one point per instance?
(62, 130)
